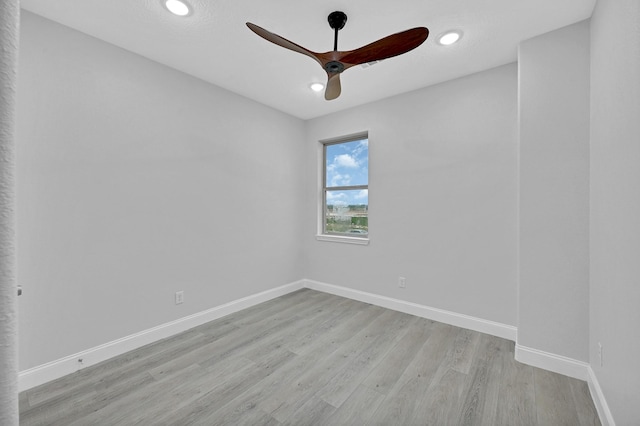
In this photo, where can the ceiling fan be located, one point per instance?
(335, 62)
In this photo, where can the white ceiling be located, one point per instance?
(214, 44)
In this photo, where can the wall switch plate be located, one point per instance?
(179, 297)
(402, 282)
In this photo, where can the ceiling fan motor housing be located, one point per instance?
(334, 67)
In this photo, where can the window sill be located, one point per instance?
(343, 239)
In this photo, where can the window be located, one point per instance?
(345, 188)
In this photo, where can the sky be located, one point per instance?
(348, 165)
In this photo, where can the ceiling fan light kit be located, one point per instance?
(335, 62)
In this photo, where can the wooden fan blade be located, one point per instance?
(333, 87)
(281, 41)
(388, 47)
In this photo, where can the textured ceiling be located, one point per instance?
(214, 44)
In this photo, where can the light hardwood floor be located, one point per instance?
(310, 358)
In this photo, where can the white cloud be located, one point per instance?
(360, 148)
(345, 160)
(363, 145)
(340, 180)
(337, 198)
(362, 194)
(335, 195)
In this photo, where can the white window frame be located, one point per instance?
(322, 235)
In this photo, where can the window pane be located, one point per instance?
(347, 212)
(347, 164)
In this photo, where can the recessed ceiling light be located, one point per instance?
(449, 37)
(316, 87)
(177, 7)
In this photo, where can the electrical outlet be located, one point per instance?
(179, 297)
(600, 354)
(402, 282)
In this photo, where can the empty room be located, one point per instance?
(320, 213)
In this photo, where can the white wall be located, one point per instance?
(615, 204)
(553, 311)
(442, 195)
(135, 181)
(120, 203)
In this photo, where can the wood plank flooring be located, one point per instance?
(310, 358)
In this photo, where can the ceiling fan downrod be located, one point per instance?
(337, 21)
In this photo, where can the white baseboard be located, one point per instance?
(606, 418)
(41, 374)
(459, 320)
(572, 368)
(552, 362)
